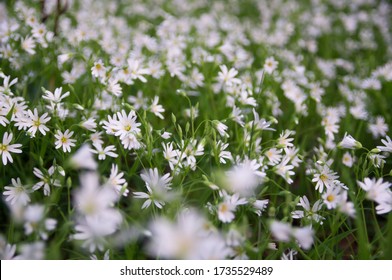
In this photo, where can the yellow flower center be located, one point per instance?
(3, 147)
(127, 127)
(37, 123)
(330, 198)
(63, 139)
(223, 207)
(323, 177)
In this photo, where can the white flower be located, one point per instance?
(309, 213)
(284, 232)
(103, 152)
(117, 181)
(270, 65)
(32, 251)
(157, 109)
(290, 255)
(281, 231)
(274, 156)
(349, 142)
(188, 237)
(379, 128)
(136, 70)
(157, 187)
(332, 197)
(284, 141)
(304, 236)
(3, 113)
(93, 200)
(285, 170)
(348, 159)
(170, 154)
(36, 222)
(64, 140)
(6, 87)
(227, 77)
(7, 251)
(6, 149)
(17, 194)
(221, 128)
(138, 101)
(388, 145)
(55, 97)
(83, 158)
(237, 116)
(384, 208)
(96, 138)
(244, 177)
(377, 160)
(89, 124)
(125, 124)
(377, 191)
(28, 45)
(324, 177)
(346, 207)
(223, 155)
(166, 135)
(260, 206)
(93, 230)
(46, 180)
(99, 69)
(62, 58)
(114, 87)
(225, 212)
(37, 123)
(260, 124)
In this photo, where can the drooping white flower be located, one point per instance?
(221, 128)
(349, 142)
